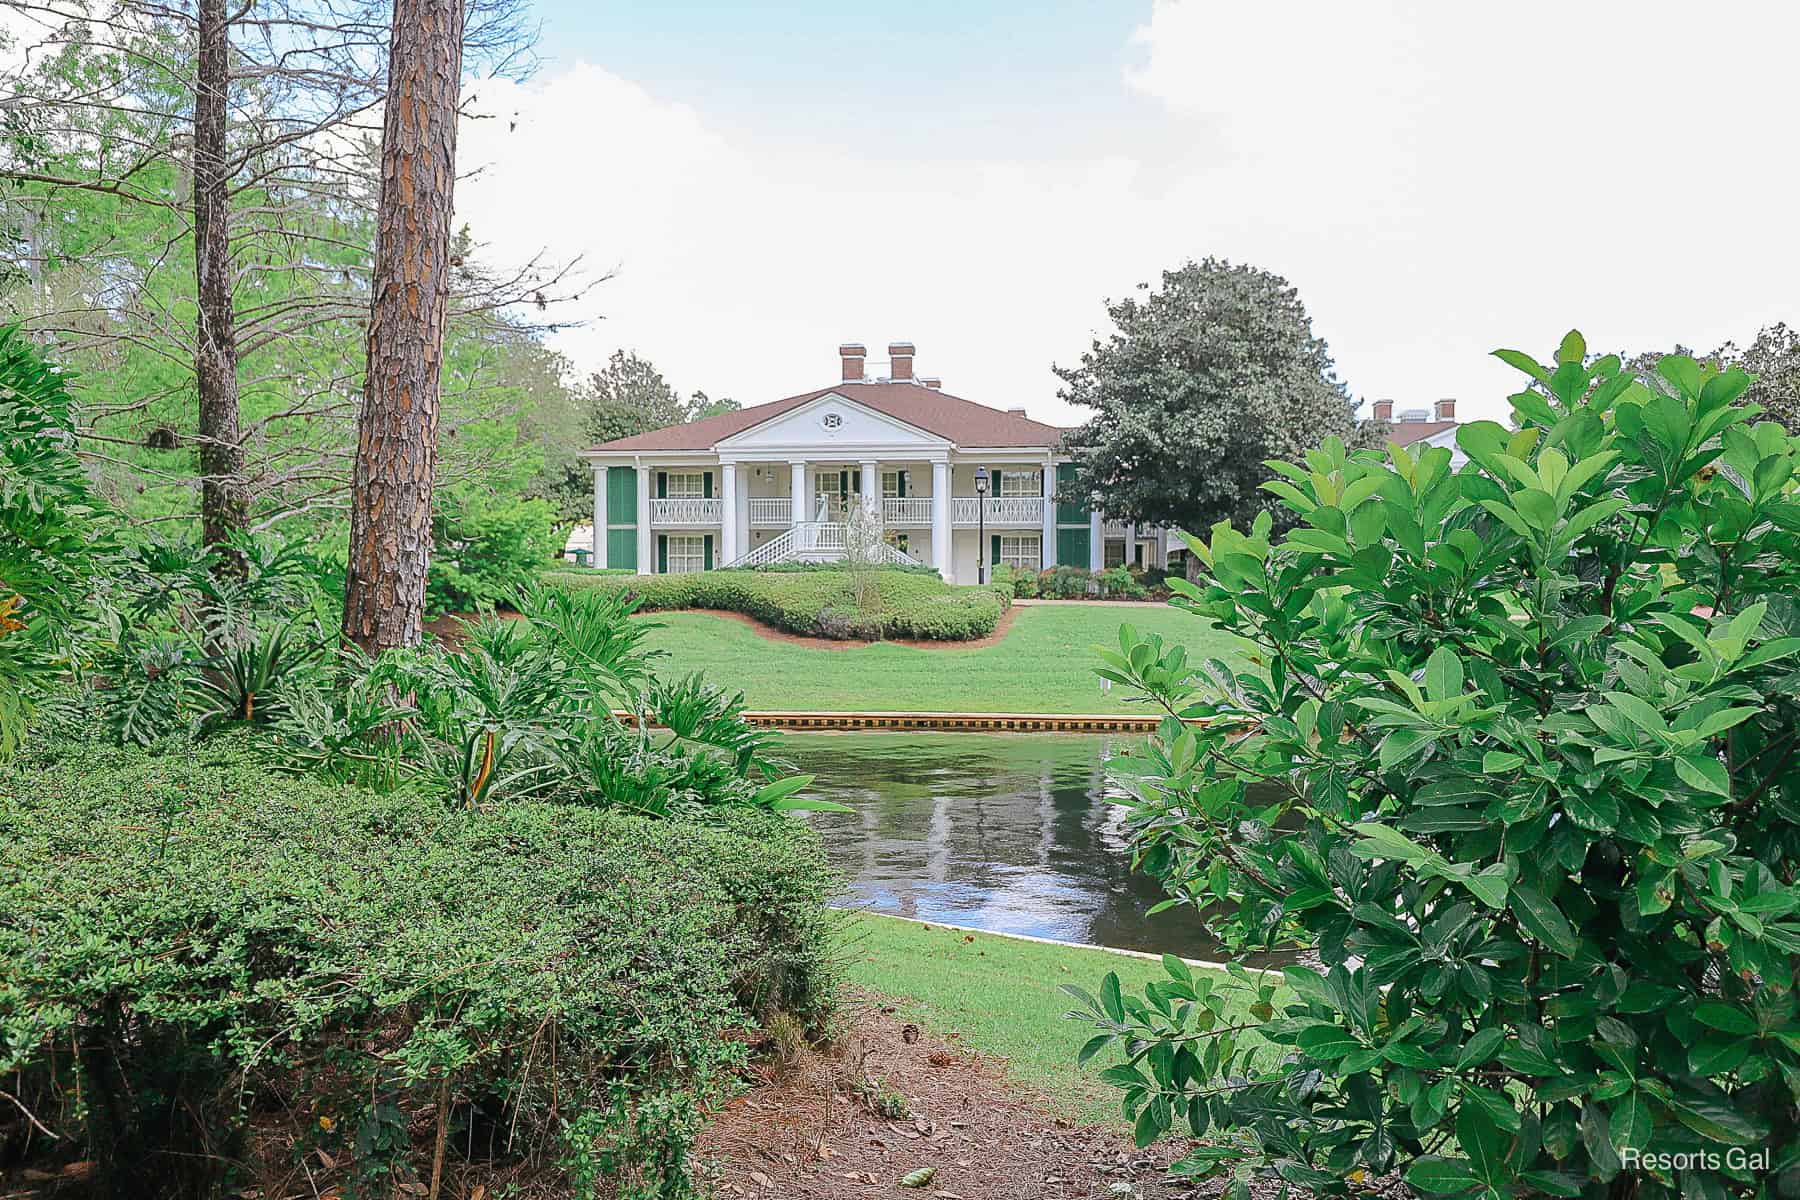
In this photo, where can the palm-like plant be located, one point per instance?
(693, 710)
(244, 680)
(489, 716)
(594, 633)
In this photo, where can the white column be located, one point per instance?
(1049, 546)
(599, 559)
(742, 524)
(728, 522)
(800, 507)
(646, 543)
(871, 486)
(1096, 541)
(1130, 544)
(940, 521)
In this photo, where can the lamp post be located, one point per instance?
(981, 486)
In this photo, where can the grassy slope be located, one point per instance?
(1045, 663)
(1002, 996)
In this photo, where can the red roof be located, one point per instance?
(1405, 433)
(963, 422)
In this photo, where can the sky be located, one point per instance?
(763, 182)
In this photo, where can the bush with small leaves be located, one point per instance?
(1525, 737)
(183, 932)
(819, 601)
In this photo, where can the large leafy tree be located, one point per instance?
(1519, 766)
(1201, 382)
(629, 395)
(1774, 358)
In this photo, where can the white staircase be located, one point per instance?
(819, 540)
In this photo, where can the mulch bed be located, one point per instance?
(449, 628)
(818, 643)
(814, 1130)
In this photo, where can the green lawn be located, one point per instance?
(1044, 664)
(1000, 996)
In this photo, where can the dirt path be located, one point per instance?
(831, 1128)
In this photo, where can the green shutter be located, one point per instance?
(706, 484)
(900, 484)
(706, 551)
(994, 551)
(856, 482)
(1068, 513)
(662, 485)
(662, 554)
(843, 485)
(621, 496)
(621, 548)
(1072, 547)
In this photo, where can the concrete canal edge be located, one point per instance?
(963, 722)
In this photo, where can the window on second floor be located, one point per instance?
(686, 485)
(1020, 483)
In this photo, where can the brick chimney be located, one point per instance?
(933, 382)
(1446, 409)
(900, 361)
(852, 355)
(1384, 410)
(1015, 412)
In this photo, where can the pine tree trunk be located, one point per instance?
(396, 431)
(224, 504)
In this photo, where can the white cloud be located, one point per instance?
(739, 270)
(1436, 183)
(1440, 179)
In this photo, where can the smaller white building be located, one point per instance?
(1434, 427)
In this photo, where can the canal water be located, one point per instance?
(1010, 833)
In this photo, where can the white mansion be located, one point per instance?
(775, 483)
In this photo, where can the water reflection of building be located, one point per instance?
(1014, 833)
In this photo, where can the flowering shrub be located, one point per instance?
(1531, 732)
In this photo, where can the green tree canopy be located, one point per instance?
(1200, 384)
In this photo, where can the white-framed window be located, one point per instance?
(1020, 483)
(1115, 552)
(890, 485)
(687, 554)
(1024, 551)
(686, 485)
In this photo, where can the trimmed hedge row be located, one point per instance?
(819, 602)
(184, 936)
(1079, 583)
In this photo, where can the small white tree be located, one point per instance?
(863, 553)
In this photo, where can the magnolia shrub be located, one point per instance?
(1523, 741)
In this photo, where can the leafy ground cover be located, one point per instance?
(1043, 663)
(818, 601)
(997, 996)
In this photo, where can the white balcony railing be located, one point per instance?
(686, 512)
(906, 510)
(1002, 511)
(778, 510)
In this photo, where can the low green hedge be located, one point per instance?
(189, 941)
(819, 602)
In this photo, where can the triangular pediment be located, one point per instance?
(833, 421)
